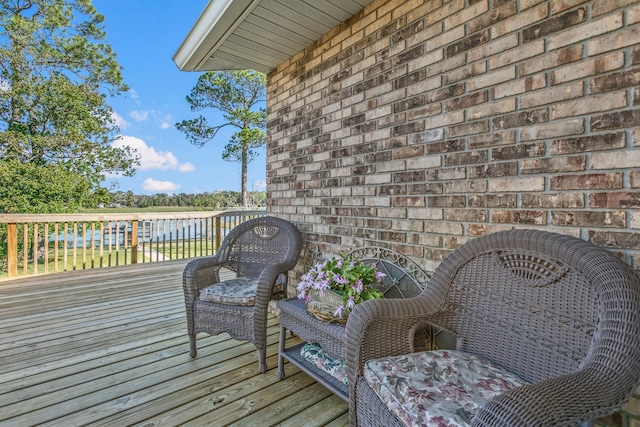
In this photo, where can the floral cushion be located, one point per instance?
(238, 291)
(314, 354)
(437, 388)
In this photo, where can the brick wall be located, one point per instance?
(417, 125)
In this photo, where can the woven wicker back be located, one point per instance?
(536, 303)
(258, 243)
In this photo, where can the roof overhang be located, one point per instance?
(258, 34)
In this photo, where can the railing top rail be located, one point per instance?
(41, 218)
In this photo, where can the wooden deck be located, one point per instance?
(109, 347)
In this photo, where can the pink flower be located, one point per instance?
(322, 286)
(350, 303)
(358, 286)
(339, 310)
(340, 280)
(304, 296)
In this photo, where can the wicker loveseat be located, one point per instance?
(259, 251)
(547, 329)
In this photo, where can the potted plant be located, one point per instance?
(333, 287)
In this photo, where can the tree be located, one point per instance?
(238, 94)
(56, 128)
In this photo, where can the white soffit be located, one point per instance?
(258, 34)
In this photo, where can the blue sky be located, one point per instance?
(145, 34)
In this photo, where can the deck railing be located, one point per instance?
(37, 244)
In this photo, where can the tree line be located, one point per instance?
(217, 200)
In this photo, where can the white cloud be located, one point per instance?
(149, 157)
(159, 186)
(259, 185)
(187, 167)
(120, 121)
(163, 120)
(139, 115)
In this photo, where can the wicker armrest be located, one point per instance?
(199, 273)
(378, 328)
(562, 401)
(266, 280)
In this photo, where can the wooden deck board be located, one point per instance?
(109, 347)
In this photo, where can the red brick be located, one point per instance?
(492, 201)
(520, 119)
(425, 188)
(627, 78)
(563, 200)
(496, 15)
(550, 60)
(466, 158)
(467, 43)
(555, 24)
(466, 101)
(616, 120)
(467, 129)
(589, 67)
(612, 239)
(615, 219)
(519, 216)
(467, 215)
(413, 176)
(492, 139)
(594, 104)
(588, 31)
(408, 201)
(465, 186)
(615, 200)
(465, 73)
(588, 143)
(614, 41)
(493, 170)
(593, 181)
(476, 230)
(446, 201)
(554, 165)
(519, 151)
(449, 146)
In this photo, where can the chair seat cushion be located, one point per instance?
(437, 388)
(315, 355)
(238, 291)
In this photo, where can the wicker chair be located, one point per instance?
(260, 251)
(559, 314)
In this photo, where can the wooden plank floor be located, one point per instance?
(109, 347)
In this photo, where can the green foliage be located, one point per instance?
(36, 188)
(217, 200)
(238, 95)
(55, 125)
(346, 275)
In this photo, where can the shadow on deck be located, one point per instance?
(109, 347)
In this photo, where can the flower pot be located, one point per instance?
(324, 304)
